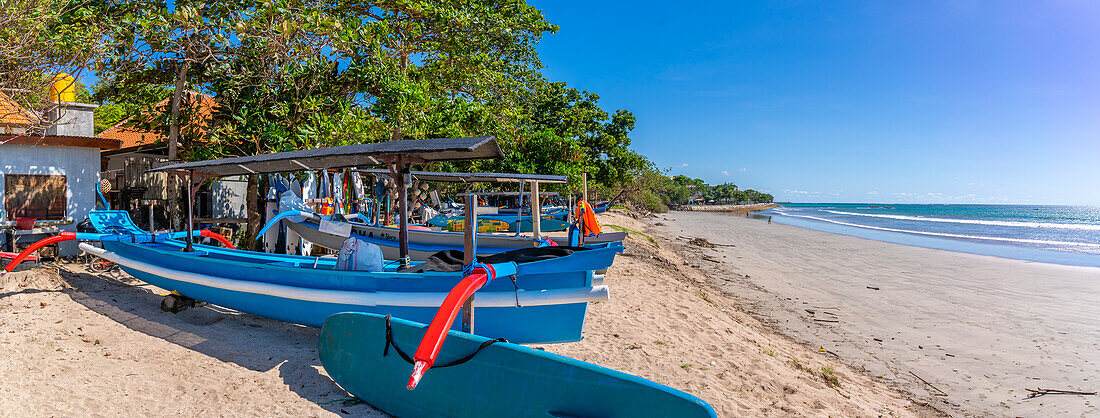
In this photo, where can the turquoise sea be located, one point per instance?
(1053, 234)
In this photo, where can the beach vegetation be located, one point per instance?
(631, 232)
(686, 366)
(659, 342)
(769, 352)
(654, 190)
(829, 376)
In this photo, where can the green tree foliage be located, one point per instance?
(40, 39)
(437, 69)
(293, 74)
(567, 133)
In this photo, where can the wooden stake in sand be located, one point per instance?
(941, 392)
(1040, 392)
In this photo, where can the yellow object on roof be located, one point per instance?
(63, 88)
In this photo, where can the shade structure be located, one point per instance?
(359, 155)
(475, 177)
(497, 194)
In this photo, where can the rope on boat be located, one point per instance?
(390, 342)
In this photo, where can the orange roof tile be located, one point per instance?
(12, 114)
(133, 136)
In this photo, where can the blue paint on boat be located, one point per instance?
(542, 324)
(544, 225)
(503, 380)
(554, 221)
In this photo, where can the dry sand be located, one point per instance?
(76, 343)
(667, 322)
(980, 328)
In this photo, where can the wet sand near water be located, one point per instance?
(982, 329)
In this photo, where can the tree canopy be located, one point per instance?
(294, 74)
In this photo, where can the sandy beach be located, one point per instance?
(80, 343)
(982, 329)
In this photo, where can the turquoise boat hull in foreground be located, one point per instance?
(503, 380)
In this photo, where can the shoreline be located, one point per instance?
(995, 246)
(982, 328)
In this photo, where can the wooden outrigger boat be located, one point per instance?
(546, 302)
(331, 231)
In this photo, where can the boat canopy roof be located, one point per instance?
(509, 194)
(475, 177)
(359, 155)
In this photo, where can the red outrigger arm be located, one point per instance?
(67, 236)
(214, 235)
(433, 339)
(64, 236)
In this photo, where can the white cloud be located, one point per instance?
(684, 165)
(743, 170)
(873, 192)
(725, 173)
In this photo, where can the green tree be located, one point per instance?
(40, 39)
(564, 131)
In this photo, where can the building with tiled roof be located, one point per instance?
(133, 136)
(14, 119)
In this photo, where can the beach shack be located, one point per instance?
(144, 195)
(48, 179)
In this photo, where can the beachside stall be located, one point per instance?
(48, 184)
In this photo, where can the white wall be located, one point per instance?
(79, 165)
(228, 197)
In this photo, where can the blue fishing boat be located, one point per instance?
(544, 297)
(331, 231)
(547, 303)
(366, 354)
(550, 222)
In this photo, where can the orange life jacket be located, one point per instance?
(585, 213)
(326, 206)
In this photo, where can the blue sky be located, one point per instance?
(919, 101)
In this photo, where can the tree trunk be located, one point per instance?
(173, 144)
(257, 205)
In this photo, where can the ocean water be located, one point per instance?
(1052, 234)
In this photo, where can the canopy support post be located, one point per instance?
(190, 210)
(152, 228)
(400, 167)
(469, 256)
(536, 211)
(519, 209)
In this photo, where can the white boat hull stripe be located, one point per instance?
(361, 298)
